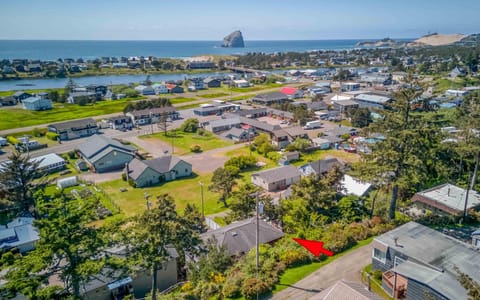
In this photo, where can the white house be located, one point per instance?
(19, 234)
(241, 83)
(160, 88)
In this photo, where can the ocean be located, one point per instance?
(53, 50)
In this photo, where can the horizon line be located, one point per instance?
(187, 40)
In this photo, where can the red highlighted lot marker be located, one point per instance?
(315, 247)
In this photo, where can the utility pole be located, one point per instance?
(257, 236)
(203, 209)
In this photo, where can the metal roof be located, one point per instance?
(277, 174)
(448, 197)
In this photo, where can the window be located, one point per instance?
(379, 255)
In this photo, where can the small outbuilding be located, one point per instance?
(67, 182)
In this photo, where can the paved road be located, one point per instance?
(348, 267)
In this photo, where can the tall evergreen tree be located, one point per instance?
(19, 179)
(399, 160)
(154, 232)
(68, 248)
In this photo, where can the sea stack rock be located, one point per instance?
(234, 40)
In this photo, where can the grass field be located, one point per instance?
(183, 191)
(213, 95)
(183, 140)
(17, 117)
(321, 154)
(181, 100)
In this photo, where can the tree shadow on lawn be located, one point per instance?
(300, 288)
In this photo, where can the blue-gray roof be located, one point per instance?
(99, 143)
(373, 98)
(47, 160)
(434, 251)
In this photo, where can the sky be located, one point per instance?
(213, 19)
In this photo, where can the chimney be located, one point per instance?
(395, 239)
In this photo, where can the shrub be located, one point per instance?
(190, 125)
(241, 162)
(36, 132)
(124, 177)
(201, 132)
(233, 284)
(72, 154)
(377, 274)
(274, 156)
(132, 183)
(52, 136)
(294, 257)
(345, 136)
(13, 140)
(196, 148)
(252, 286)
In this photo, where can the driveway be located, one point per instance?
(346, 267)
(208, 161)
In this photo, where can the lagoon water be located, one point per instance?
(53, 50)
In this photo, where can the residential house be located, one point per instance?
(152, 115)
(345, 105)
(120, 122)
(117, 285)
(99, 90)
(196, 84)
(239, 135)
(353, 186)
(212, 82)
(104, 154)
(252, 113)
(288, 157)
(79, 93)
(276, 179)
(145, 90)
(377, 78)
(174, 88)
(19, 234)
(270, 98)
(346, 290)
(20, 95)
(320, 167)
(296, 132)
(446, 199)
(34, 68)
(8, 101)
(316, 105)
(201, 65)
(37, 103)
(280, 138)
(50, 163)
(291, 93)
(350, 86)
(150, 172)
(223, 124)
(419, 262)
(341, 130)
(457, 71)
(240, 83)
(284, 115)
(74, 129)
(239, 237)
(217, 107)
(373, 100)
(321, 143)
(160, 88)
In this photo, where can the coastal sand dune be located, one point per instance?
(439, 39)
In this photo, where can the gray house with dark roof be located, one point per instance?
(320, 167)
(276, 179)
(150, 172)
(240, 237)
(270, 98)
(418, 262)
(74, 129)
(104, 154)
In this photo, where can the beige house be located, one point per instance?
(150, 172)
(277, 178)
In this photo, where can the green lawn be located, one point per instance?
(293, 275)
(17, 117)
(183, 140)
(184, 191)
(213, 95)
(181, 100)
(321, 154)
